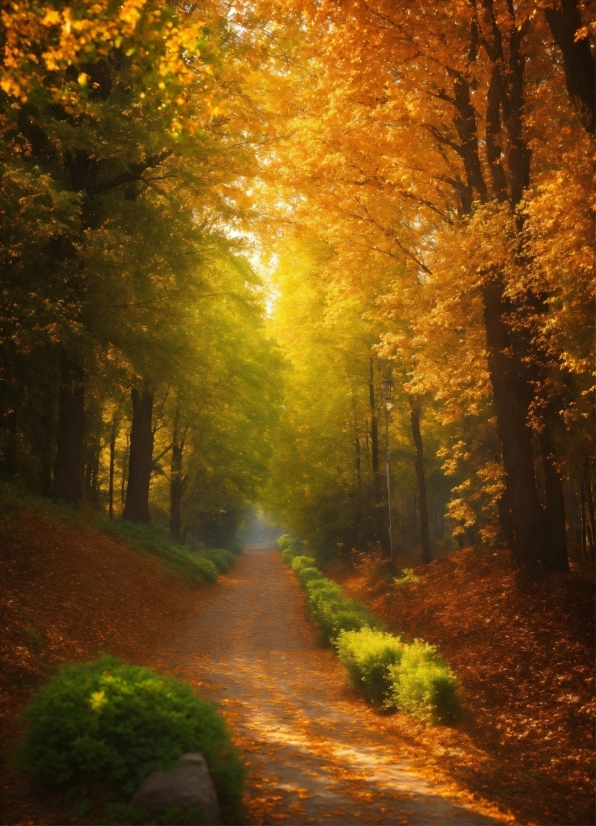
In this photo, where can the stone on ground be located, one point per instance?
(188, 787)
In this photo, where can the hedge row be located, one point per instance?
(411, 677)
(200, 566)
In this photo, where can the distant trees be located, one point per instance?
(119, 288)
(449, 144)
(421, 173)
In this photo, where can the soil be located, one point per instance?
(316, 752)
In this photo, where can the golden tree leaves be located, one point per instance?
(173, 54)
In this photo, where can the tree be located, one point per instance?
(427, 81)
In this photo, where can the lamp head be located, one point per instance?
(387, 391)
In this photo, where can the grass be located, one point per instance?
(201, 566)
(156, 541)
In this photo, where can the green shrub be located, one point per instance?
(207, 568)
(290, 547)
(221, 558)
(284, 541)
(405, 576)
(288, 554)
(334, 612)
(324, 588)
(308, 574)
(367, 655)
(111, 723)
(423, 684)
(158, 542)
(299, 562)
(235, 547)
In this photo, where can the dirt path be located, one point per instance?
(313, 755)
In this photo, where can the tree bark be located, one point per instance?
(589, 516)
(176, 483)
(420, 481)
(555, 551)
(47, 442)
(578, 63)
(512, 399)
(379, 503)
(68, 483)
(125, 460)
(113, 434)
(176, 491)
(358, 472)
(43, 414)
(136, 508)
(505, 521)
(522, 517)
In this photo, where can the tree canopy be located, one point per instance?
(418, 182)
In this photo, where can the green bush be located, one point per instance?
(207, 568)
(290, 547)
(308, 574)
(284, 541)
(325, 588)
(299, 562)
(405, 576)
(334, 612)
(105, 722)
(235, 547)
(158, 542)
(221, 558)
(423, 684)
(367, 655)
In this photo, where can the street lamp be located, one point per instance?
(387, 392)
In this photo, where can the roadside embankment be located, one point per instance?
(523, 651)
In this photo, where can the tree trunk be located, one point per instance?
(420, 481)
(505, 521)
(176, 491)
(47, 442)
(125, 460)
(589, 516)
(71, 431)
(177, 480)
(358, 472)
(92, 476)
(42, 406)
(578, 63)
(379, 503)
(511, 398)
(136, 508)
(113, 434)
(555, 556)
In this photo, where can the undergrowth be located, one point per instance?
(384, 669)
(199, 566)
(108, 724)
(156, 541)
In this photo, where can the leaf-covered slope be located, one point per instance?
(524, 653)
(69, 592)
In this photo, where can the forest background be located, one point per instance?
(223, 225)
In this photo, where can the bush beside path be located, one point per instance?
(523, 651)
(68, 593)
(316, 751)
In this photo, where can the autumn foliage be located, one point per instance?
(524, 656)
(333, 258)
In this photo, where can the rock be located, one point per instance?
(188, 786)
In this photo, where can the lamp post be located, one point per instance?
(387, 391)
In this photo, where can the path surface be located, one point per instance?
(313, 756)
